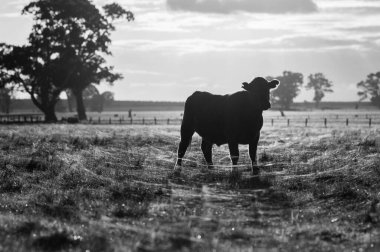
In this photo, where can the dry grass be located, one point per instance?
(111, 188)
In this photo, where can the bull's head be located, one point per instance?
(260, 87)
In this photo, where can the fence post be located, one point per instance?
(306, 122)
(288, 122)
(120, 120)
(155, 121)
(168, 121)
(325, 122)
(370, 122)
(143, 121)
(272, 121)
(99, 120)
(110, 121)
(346, 121)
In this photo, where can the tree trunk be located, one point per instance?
(48, 108)
(50, 116)
(7, 104)
(80, 105)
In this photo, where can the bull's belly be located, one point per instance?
(213, 136)
(219, 137)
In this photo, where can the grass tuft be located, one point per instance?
(131, 209)
(56, 241)
(9, 181)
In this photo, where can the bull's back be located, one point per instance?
(206, 112)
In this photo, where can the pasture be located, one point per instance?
(111, 188)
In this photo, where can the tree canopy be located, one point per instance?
(291, 83)
(370, 88)
(320, 84)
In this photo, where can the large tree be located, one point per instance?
(320, 84)
(66, 50)
(370, 88)
(39, 72)
(289, 88)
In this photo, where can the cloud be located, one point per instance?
(143, 72)
(253, 6)
(363, 29)
(11, 15)
(287, 43)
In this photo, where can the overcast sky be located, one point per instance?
(175, 47)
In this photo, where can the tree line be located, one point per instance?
(291, 83)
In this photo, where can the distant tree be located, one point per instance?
(99, 101)
(66, 50)
(370, 88)
(60, 106)
(108, 97)
(320, 84)
(287, 90)
(89, 94)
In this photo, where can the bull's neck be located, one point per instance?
(255, 101)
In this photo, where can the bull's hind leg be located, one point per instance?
(234, 152)
(206, 147)
(186, 134)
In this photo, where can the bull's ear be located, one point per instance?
(245, 85)
(274, 83)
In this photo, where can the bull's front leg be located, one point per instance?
(253, 152)
(206, 147)
(234, 153)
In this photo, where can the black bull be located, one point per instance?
(229, 119)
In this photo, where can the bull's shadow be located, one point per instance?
(234, 179)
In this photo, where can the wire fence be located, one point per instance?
(301, 120)
(21, 118)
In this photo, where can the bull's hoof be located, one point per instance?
(177, 170)
(255, 170)
(205, 169)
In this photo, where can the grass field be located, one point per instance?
(111, 188)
